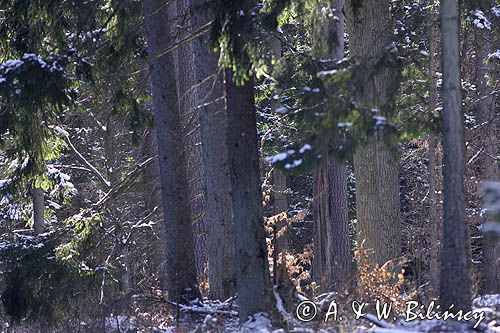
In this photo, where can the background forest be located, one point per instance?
(207, 165)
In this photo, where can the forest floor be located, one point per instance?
(222, 317)
(218, 318)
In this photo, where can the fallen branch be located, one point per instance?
(203, 309)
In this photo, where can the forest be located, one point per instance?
(266, 166)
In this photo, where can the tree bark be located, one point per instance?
(180, 263)
(332, 251)
(434, 226)
(153, 200)
(38, 211)
(190, 117)
(455, 271)
(252, 272)
(376, 163)
(213, 122)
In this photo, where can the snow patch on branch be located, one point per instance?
(479, 19)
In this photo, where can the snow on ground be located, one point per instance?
(219, 318)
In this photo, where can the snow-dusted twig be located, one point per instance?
(92, 168)
(203, 309)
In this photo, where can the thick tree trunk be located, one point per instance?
(180, 263)
(213, 123)
(190, 117)
(376, 163)
(332, 251)
(252, 272)
(377, 199)
(38, 211)
(455, 271)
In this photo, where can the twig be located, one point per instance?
(204, 310)
(129, 178)
(96, 172)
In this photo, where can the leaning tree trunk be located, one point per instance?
(488, 115)
(213, 123)
(455, 279)
(332, 246)
(180, 263)
(252, 272)
(376, 163)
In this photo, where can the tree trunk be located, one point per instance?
(280, 201)
(190, 117)
(38, 211)
(376, 163)
(252, 272)
(213, 122)
(332, 251)
(153, 199)
(455, 279)
(434, 227)
(180, 263)
(377, 199)
(280, 205)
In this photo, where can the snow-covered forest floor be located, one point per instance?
(222, 317)
(219, 317)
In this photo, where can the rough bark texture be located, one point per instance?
(376, 163)
(455, 271)
(332, 250)
(332, 246)
(190, 119)
(38, 211)
(488, 115)
(252, 273)
(213, 123)
(377, 199)
(180, 263)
